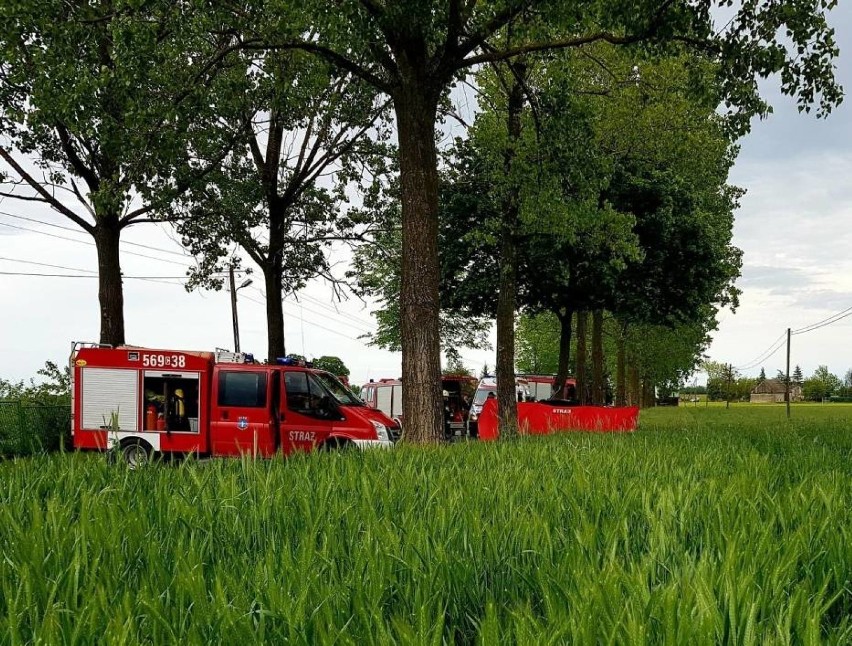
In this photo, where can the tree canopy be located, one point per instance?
(96, 102)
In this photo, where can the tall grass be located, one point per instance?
(697, 529)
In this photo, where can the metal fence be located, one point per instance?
(27, 427)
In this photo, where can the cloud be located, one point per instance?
(772, 278)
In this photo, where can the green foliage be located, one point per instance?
(714, 369)
(725, 383)
(821, 385)
(455, 365)
(35, 416)
(334, 365)
(103, 95)
(28, 427)
(702, 528)
(53, 387)
(376, 268)
(300, 120)
(668, 355)
(537, 344)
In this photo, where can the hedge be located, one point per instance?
(27, 428)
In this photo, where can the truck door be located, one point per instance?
(308, 414)
(242, 417)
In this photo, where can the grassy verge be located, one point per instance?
(707, 526)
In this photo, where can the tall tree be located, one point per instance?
(415, 50)
(99, 96)
(304, 147)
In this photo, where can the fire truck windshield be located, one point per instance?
(482, 395)
(340, 392)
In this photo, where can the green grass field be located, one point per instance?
(706, 526)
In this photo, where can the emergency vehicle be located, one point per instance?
(144, 401)
(541, 387)
(386, 395)
(527, 388)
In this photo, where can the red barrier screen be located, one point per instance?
(536, 418)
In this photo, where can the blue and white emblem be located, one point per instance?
(242, 423)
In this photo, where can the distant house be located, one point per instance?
(771, 391)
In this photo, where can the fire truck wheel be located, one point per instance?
(136, 453)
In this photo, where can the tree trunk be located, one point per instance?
(598, 386)
(107, 236)
(648, 399)
(274, 259)
(635, 396)
(507, 399)
(564, 351)
(274, 310)
(582, 385)
(416, 107)
(620, 368)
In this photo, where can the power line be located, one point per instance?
(44, 264)
(90, 244)
(331, 308)
(761, 358)
(366, 327)
(78, 230)
(23, 273)
(768, 356)
(322, 327)
(834, 318)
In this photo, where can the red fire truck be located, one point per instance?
(143, 401)
(386, 395)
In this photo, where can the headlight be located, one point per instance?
(381, 431)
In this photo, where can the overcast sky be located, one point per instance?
(794, 226)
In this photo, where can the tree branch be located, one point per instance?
(81, 199)
(327, 53)
(509, 13)
(497, 55)
(48, 198)
(24, 198)
(89, 176)
(254, 146)
(135, 217)
(330, 157)
(500, 19)
(379, 14)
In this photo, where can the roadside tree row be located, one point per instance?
(602, 146)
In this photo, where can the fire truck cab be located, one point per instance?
(144, 401)
(386, 395)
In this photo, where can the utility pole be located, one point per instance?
(728, 389)
(234, 309)
(234, 289)
(787, 380)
